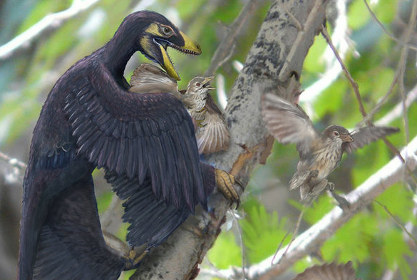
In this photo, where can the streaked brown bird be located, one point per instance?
(211, 130)
(319, 153)
(148, 78)
(331, 271)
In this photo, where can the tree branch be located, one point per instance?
(317, 234)
(47, 24)
(13, 161)
(226, 48)
(277, 54)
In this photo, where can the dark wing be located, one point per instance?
(151, 220)
(71, 245)
(137, 135)
(288, 123)
(330, 271)
(366, 135)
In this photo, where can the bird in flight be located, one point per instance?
(320, 153)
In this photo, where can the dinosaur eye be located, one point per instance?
(335, 133)
(167, 31)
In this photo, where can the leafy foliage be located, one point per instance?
(372, 239)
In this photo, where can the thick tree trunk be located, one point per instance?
(277, 54)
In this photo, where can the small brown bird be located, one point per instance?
(319, 153)
(211, 130)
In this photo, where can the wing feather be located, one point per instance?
(365, 135)
(213, 136)
(287, 122)
(137, 135)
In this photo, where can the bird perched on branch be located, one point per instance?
(211, 130)
(144, 142)
(320, 153)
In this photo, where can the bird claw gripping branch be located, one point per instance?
(225, 183)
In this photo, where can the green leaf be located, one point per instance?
(358, 14)
(395, 250)
(356, 235)
(225, 251)
(262, 231)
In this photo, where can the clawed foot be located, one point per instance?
(133, 258)
(225, 183)
(330, 186)
(342, 202)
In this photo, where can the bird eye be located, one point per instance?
(166, 31)
(197, 84)
(335, 133)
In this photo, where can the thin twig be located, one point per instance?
(333, 70)
(226, 48)
(356, 90)
(13, 161)
(381, 102)
(242, 245)
(397, 221)
(402, 43)
(345, 70)
(403, 60)
(294, 234)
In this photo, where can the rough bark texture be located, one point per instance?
(278, 53)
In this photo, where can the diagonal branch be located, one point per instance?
(317, 234)
(47, 24)
(226, 48)
(13, 161)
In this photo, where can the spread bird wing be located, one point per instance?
(288, 123)
(213, 136)
(151, 220)
(137, 135)
(366, 135)
(71, 244)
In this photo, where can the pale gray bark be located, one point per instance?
(278, 53)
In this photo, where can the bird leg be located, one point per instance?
(133, 258)
(225, 183)
(342, 202)
(330, 186)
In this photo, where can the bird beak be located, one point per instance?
(189, 47)
(206, 82)
(346, 138)
(155, 48)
